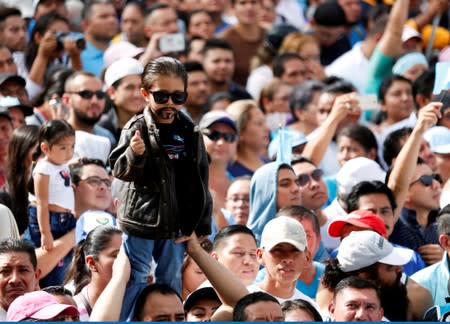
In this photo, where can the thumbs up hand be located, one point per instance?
(137, 143)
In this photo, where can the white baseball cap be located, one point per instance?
(283, 229)
(357, 170)
(438, 137)
(124, 67)
(363, 248)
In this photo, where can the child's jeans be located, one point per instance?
(60, 224)
(169, 258)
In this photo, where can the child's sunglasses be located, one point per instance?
(162, 97)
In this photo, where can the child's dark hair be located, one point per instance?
(163, 66)
(96, 241)
(54, 131)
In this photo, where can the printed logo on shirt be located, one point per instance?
(66, 177)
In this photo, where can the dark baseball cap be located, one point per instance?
(217, 116)
(205, 293)
(330, 14)
(11, 77)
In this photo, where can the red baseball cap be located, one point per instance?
(361, 218)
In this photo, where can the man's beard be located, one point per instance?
(91, 121)
(394, 300)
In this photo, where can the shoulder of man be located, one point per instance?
(135, 120)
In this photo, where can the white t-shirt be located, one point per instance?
(346, 65)
(2, 315)
(60, 191)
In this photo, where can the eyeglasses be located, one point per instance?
(162, 97)
(215, 136)
(236, 199)
(88, 94)
(304, 178)
(97, 181)
(427, 179)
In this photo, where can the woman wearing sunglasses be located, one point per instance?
(163, 161)
(220, 135)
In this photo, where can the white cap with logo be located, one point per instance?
(363, 248)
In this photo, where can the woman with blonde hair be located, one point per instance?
(253, 137)
(309, 50)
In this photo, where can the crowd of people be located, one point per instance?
(243, 160)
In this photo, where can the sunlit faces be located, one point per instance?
(13, 33)
(398, 101)
(103, 21)
(7, 63)
(280, 100)
(427, 155)
(60, 152)
(198, 89)
(294, 71)
(324, 104)
(264, 311)
(103, 266)
(89, 195)
(17, 116)
(288, 192)
(314, 194)
(247, 11)
(352, 304)
(6, 130)
(17, 277)
(164, 113)
(238, 200)
(193, 276)
(132, 24)
(162, 308)
(379, 204)
(298, 315)
(421, 197)
(352, 9)
(127, 95)
(202, 311)
(312, 238)
(238, 254)
(87, 111)
(256, 132)
(219, 65)
(388, 275)
(161, 20)
(201, 25)
(284, 263)
(220, 150)
(349, 149)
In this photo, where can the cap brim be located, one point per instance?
(205, 293)
(271, 244)
(398, 257)
(27, 110)
(442, 149)
(51, 311)
(336, 226)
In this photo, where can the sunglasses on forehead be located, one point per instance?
(162, 97)
(304, 178)
(427, 179)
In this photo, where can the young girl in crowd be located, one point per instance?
(50, 211)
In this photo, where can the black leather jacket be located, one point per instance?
(148, 205)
